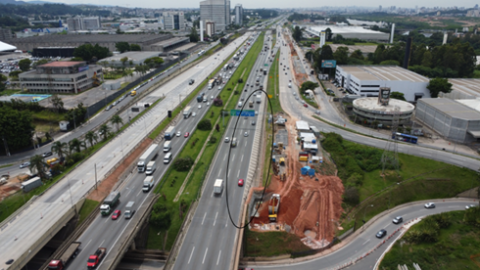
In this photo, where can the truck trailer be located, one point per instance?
(218, 186)
(169, 133)
(129, 211)
(31, 184)
(112, 199)
(187, 112)
(148, 156)
(71, 252)
(273, 205)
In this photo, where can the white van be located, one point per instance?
(167, 146)
(240, 104)
(167, 158)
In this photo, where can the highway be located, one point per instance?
(17, 236)
(210, 239)
(105, 232)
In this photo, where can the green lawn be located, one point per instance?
(451, 251)
(86, 209)
(271, 243)
(172, 180)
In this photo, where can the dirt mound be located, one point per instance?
(306, 203)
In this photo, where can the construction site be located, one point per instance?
(304, 195)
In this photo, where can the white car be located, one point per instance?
(194, 114)
(227, 139)
(179, 133)
(430, 205)
(199, 106)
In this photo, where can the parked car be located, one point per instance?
(470, 206)
(397, 220)
(47, 154)
(381, 233)
(109, 107)
(24, 165)
(429, 205)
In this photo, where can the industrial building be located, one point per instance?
(370, 110)
(463, 89)
(366, 81)
(349, 32)
(78, 23)
(217, 11)
(61, 78)
(134, 58)
(238, 14)
(148, 42)
(455, 120)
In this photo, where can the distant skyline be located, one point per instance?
(282, 4)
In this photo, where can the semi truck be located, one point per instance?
(148, 156)
(218, 186)
(187, 112)
(71, 252)
(112, 199)
(151, 167)
(96, 258)
(170, 133)
(148, 183)
(273, 205)
(211, 84)
(129, 211)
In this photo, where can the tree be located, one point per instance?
(297, 34)
(14, 75)
(76, 145)
(341, 55)
(124, 61)
(116, 120)
(37, 165)
(24, 64)
(57, 103)
(40, 62)
(328, 34)
(194, 35)
(3, 79)
(397, 95)
(427, 59)
(90, 137)
(218, 102)
(135, 48)
(378, 54)
(205, 125)
(122, 46)
(88, 52)
(16, 127)
(183, 164)
(308, 85)
(60, 148)
(438, 85)
(351, 195)
(357, 54)
(104, 130)
(153, 62)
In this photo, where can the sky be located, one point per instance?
(274, 3)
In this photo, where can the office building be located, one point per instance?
(238, 14)
(78, 23)
(217, 11)
(173, 21)
(61, 77)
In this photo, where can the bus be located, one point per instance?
(201, 52)
(405, 137)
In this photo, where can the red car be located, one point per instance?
(186, 134)
(240, 182)
(305, 105)
(116, 214)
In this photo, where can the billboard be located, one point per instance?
(329, 63)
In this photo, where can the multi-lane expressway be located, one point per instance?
(30, 225)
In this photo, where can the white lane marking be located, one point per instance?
(226, 223)
(191, 255)
(106, 219)
(238, 174)
(139, 192)
(242, 159)
(87, 244)
(233, 157)
(101, 244)
(215, 220)
(204, 217)
(219, 254)
(204, 256)
(366, 242)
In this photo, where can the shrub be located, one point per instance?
(205, 125)
(351, 195)
(240, 80)
(183, 164)
(218, 102)
(213, 139)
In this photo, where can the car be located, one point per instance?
(305, 105)
(211, 97)
(251, 85)
(219, 88)
(109, 107)
(246, 89)
(179, 133)
(245, 134)
(317, 112)
(296, 98)
(115, 103)
(194, 114)
(132, 212)
(381, 233)
(47, 154)
(429, 205)
(227, 139)
(285, 73)
(199, 106)
(247, 84)
(24, 165)
(470, 206)
(253, 123)
(116, 214)
(192, 81)
(397, 220)
(240, 182)
(186, 134)
(208, 103)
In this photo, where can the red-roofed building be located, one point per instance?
(61, 77)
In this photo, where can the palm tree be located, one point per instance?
(75, 144)
(37, 165)
(104, 130)
(60, 148)
(116, 120)
(90, 137)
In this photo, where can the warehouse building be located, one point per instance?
(133, 59)
(61, 78)
(348, 32)
(366, 81)
(455, 120)
(463, 89)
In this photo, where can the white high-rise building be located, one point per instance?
(217, 11)
(238, 14)
(173, 20)
(83, 23)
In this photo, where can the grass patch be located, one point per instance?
(271, 243)
(451, 251)
(172, 180)
(8, 92)
(86, 209)
(418, 178)
(5, 166)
